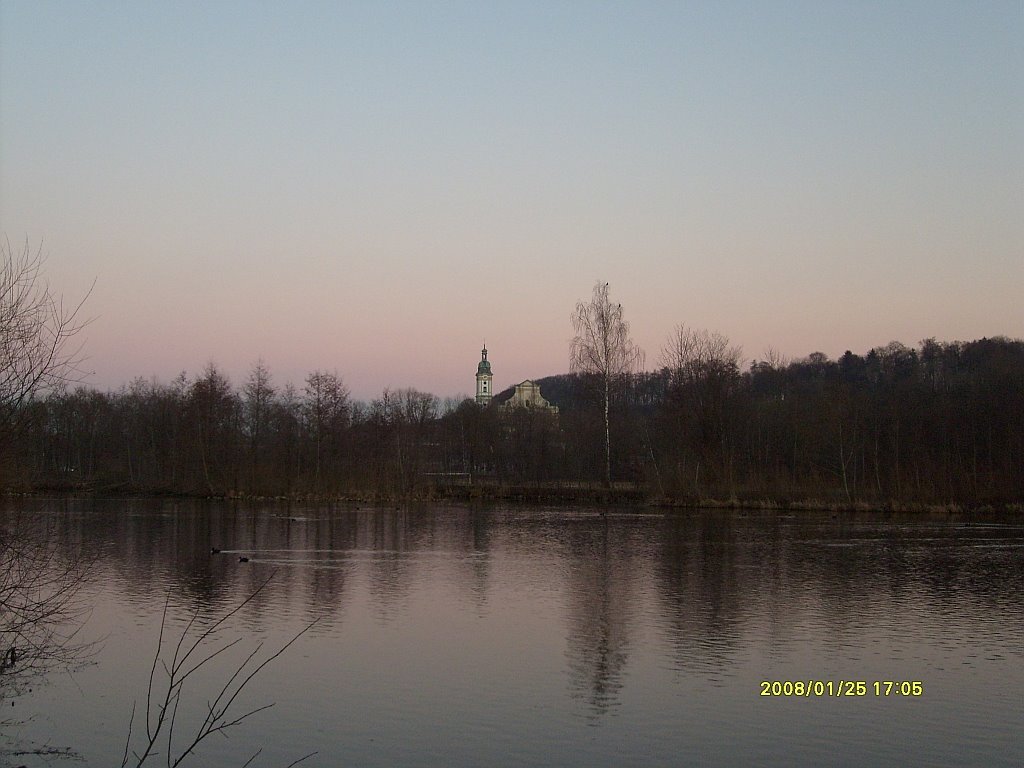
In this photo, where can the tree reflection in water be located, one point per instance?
(42, 570)
(600, 587)
(560, 634)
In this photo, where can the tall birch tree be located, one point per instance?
(603, 348)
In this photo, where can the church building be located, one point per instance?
(526, 395)
(484, 391)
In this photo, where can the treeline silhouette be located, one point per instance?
(940, 423)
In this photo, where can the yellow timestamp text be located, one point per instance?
(821, 688)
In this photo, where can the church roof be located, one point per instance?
(483, 366)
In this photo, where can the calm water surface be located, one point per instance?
(508, 636)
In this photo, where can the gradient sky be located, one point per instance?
(376, 188)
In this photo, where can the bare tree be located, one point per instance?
(212, 409)
(603, 348)
(257, 399)
(38, 333)
(703, 374)
(774, 360)
(692, 354)
(325, 406)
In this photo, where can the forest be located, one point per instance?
(939, 424)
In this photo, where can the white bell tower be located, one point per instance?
(483, 379)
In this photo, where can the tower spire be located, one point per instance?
(484, 376)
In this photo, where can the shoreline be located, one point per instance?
(543, 494)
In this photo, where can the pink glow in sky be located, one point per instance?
(378, 189)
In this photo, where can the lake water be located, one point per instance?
(526, 636)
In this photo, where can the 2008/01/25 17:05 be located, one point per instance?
(809, 688)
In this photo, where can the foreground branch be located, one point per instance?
(164, 693)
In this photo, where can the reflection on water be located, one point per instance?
(532, 636)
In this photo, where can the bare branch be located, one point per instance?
(191, 653)
(40, 612)
(692, 355)
(40, 346)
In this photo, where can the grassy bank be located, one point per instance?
(549, 493)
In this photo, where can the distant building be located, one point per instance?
(527, 395)
(484, 390)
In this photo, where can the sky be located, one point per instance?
(377, 188)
